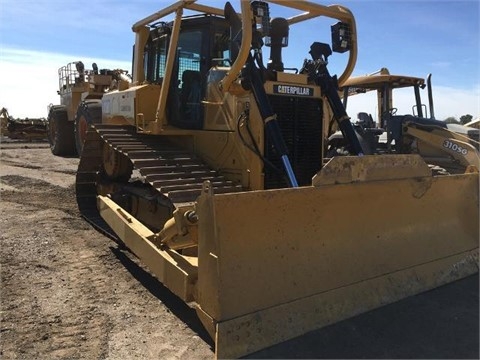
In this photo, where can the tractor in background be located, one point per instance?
(417, 132)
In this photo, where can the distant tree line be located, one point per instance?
(464, 119)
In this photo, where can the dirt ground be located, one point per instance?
(68, 292)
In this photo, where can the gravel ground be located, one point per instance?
(67, 292)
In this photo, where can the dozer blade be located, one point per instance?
(276, 264)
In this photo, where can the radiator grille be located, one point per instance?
(300, 121)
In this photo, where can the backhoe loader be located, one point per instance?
(474, 124)
(210, 167)
(417, 132)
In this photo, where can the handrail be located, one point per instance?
(338, 12)
(311, 10)
(244, 47)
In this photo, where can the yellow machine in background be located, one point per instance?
(450, 146)
(78, 87)
(28, 129)
(210, 166)
(474, 124)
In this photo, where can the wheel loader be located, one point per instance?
(211, 167)
(67, 123)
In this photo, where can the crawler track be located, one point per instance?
(169, 169)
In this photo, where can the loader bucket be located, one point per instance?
(276, 264)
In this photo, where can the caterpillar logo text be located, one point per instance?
(292, 90)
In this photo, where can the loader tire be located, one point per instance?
(88, 113)
(60, 132)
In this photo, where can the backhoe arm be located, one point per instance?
(448, 142)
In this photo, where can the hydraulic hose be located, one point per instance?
(269, 118)
(318, 72)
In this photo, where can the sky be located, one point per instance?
(408, 37)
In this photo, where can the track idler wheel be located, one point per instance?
(115, 164)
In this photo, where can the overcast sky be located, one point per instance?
(408, 37)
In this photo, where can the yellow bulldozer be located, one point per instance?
(80, 92)
(211, 167)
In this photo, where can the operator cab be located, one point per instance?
(203, 43)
